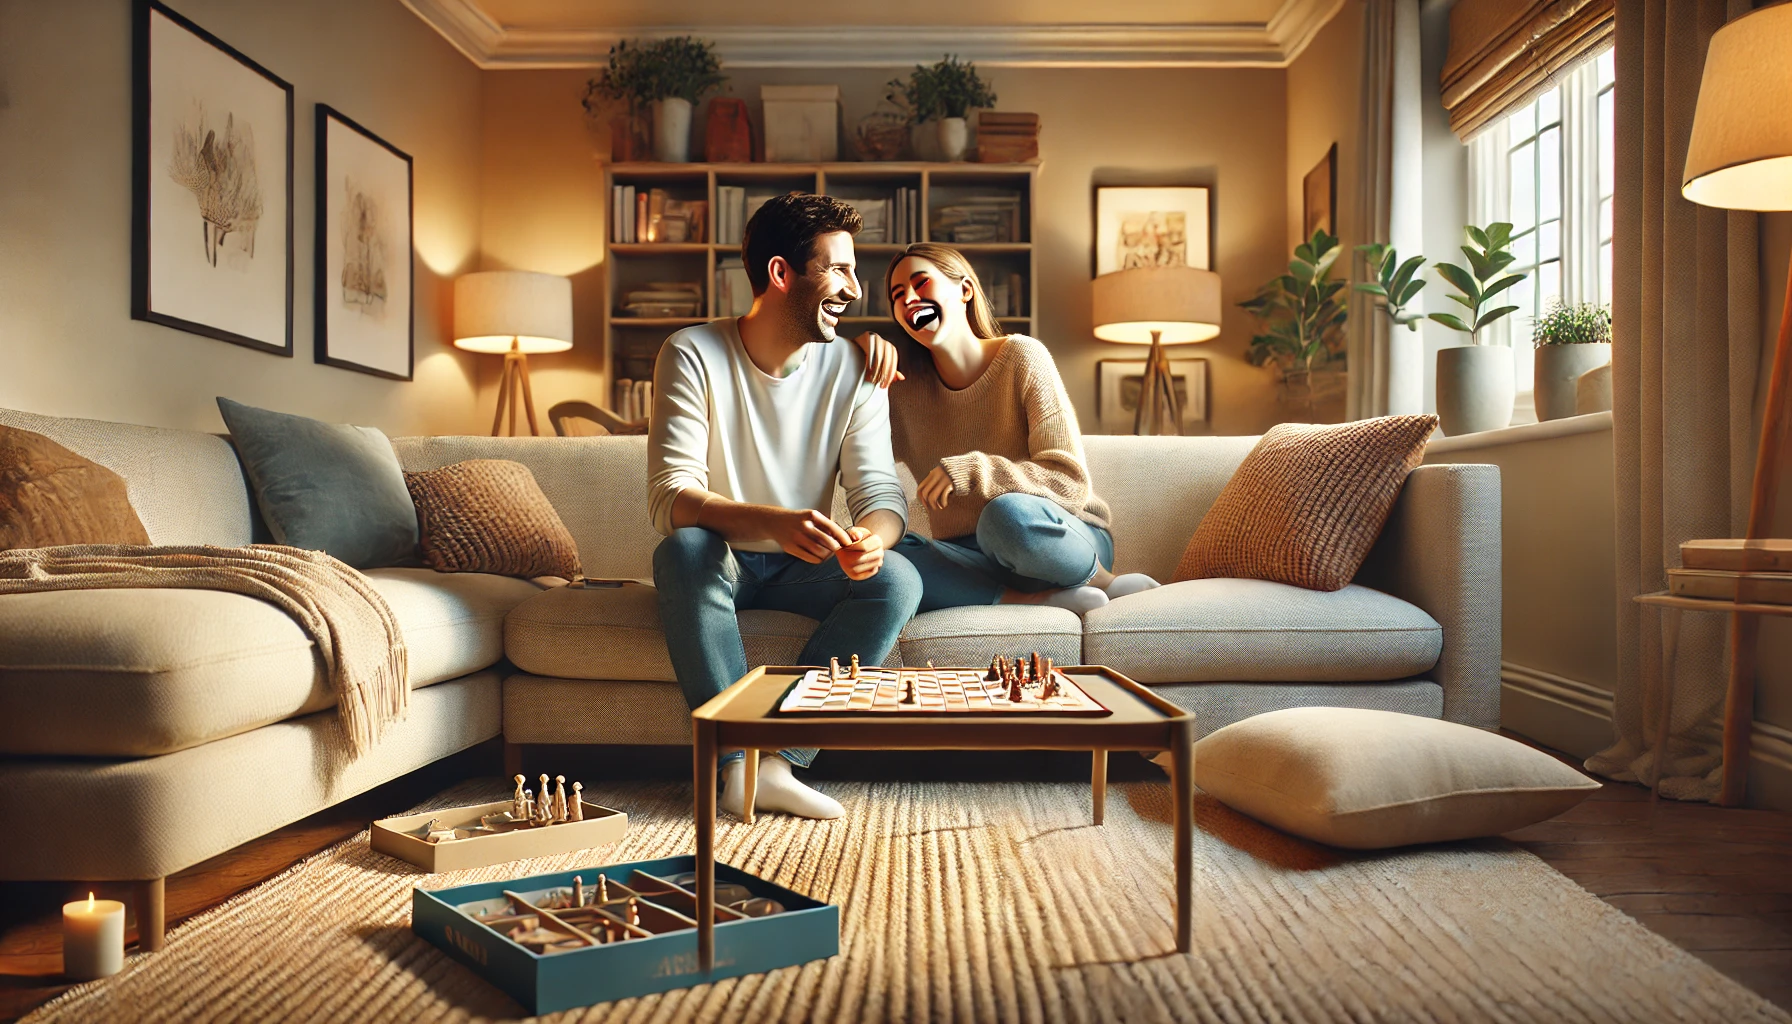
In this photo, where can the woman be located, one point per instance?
(981, 418)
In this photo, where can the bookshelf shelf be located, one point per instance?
(992, 199)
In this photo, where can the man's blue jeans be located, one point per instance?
(1022, 541)
(703, 583)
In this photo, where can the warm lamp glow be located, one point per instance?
(1179, 304)
(495, 308)
(1740, 156)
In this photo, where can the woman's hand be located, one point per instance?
(880, 359)
(936, 489)
(862, 558)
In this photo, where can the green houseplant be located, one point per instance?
(1396, 284)
(1569, 340)
(944, 93)
(1475, 389)
(671, 75)
(1300, 314)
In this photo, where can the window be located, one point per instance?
(1548, 169)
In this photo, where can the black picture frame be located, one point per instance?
(324, 281)
(143, 302)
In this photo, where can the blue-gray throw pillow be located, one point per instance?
(327, 487)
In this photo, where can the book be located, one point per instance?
(1714, 584)
(641, 232)
(734, 293)
(1726, 553)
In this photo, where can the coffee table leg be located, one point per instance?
(704, 771)
(1182, 786)
(749, 783)
(1098, 783)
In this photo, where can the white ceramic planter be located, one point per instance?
(672, 130)
(1474, 388)
(1558, 367)
(955, 137)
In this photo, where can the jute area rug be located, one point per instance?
(981, 902)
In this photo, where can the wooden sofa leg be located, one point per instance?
(147, 897)
(513, 759)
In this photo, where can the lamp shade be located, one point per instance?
(1740, 157)
(1182, 304)
(494, 307)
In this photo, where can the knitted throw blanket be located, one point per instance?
(362, 649)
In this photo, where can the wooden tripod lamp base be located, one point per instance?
(512, 386)
(513, 313)
(1158, 411)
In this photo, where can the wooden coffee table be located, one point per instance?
(746, 716)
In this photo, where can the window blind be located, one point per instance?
(1503, 53)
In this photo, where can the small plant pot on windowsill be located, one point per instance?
(1475, 390)
(1558, 367)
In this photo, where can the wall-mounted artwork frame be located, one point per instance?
(1118, 383)
(363, 301)
(211, 176)
(1319, 197)
(1153, 227)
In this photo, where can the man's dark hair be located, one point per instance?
(787, 226)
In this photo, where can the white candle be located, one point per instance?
(92, 938)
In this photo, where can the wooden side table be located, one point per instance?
(1739, 696)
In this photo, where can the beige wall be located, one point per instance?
(1323, 84)
(1225, 128)
(67, 343)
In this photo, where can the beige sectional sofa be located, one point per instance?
(144, 731)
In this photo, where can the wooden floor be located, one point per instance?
(1716, 882)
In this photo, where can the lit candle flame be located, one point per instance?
(90, 903)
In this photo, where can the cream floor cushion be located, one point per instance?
(134, 673)
(1259, 631)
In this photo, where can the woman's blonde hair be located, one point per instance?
(952, 263)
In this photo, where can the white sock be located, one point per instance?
(1081, 600)
(778, 790)
(1130, 583)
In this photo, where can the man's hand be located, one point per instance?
(936, 489)
(880, 359)
(861, 559)
(808, 535)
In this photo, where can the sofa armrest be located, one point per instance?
(1440, 550)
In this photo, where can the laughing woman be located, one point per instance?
(981, 418)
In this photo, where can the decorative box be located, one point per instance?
(802, 123)
(545, 982)
(403, 837)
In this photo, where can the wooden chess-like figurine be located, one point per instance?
(855, 666)
(560, 811)
(578, 802)
(519, 803)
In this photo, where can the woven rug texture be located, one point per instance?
(979, 902)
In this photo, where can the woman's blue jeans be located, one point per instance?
(1023, 542)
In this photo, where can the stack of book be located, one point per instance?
(734, 207)
(654, 216)
(734, 293)
(991, 218)
(663, 299)
(1714, 569)
(1007, 295)
(632, 399)
(1007, 138)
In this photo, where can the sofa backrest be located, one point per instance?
(187, 486)
(1158, 489)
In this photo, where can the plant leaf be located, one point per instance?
(1477, 236)
(1461, 279)
(1500, 260)
(1501, 285)
(1493, 314)
(1412, 290)
(1463, 299)
(1373, 289)
(1452, 321)
(1483, 269)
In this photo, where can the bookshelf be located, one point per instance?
(943, 193)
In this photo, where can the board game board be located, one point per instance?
(933, 690)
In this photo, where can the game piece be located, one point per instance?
(603, 889)
(578, 891)
(634, 912)
(528, 805)
(995, 673)
(560, 812)
(855, 666)
(544, 803)
(1035, 665)
(517, 808)
(833, 668)
(908, 689)
(1014, 690)
(578, 802)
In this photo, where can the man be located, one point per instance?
(753, 420)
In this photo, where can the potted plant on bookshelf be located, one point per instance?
(680, 70)
(1475, 388)
(945, 93)
(1302, 319)
(623, 82)
(1570, 340)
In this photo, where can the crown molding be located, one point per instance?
(1273, 44)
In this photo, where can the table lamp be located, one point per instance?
(519, 314)
(1157, 306)
(1740, 158)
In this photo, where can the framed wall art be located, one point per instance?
(363, 311)
(1319, 197)
(1118, 383)
(211, 169)
(1152, 227)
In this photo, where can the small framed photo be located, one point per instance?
(211, 181)
(1119, 382)
(363, 310)
(1152, 227)
(1319, 196)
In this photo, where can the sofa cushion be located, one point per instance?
(1258, 631)
(125, 673)
(49, 496)
(972, 635)
(489, 515)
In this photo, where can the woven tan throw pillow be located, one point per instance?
(1308, 502)
(49, 496)
(489, 515)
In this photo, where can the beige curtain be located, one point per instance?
(1686, 343)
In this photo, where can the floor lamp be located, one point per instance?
(1740, 158)
(517, 314)
(1157, 306)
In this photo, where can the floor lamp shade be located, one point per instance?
(1176, 305)
(1740, 156)
(496, 308)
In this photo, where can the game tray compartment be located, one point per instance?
(805, 930)
(398, 837)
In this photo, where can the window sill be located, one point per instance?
(1591, 423)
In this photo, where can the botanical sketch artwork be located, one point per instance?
(363, 252)
(211, 232)
(219, 169)
(1151, 227)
